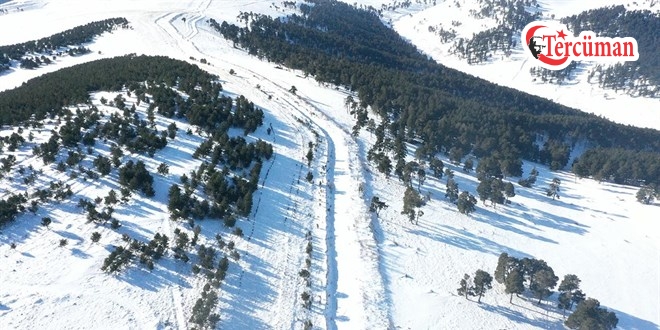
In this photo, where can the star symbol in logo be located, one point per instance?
(561, 34)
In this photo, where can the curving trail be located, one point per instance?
(354, 293)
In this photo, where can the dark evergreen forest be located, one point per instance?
(445, 108)
(42, 95)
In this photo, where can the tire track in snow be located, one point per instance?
(367, 305)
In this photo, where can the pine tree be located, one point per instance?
(309, 156)
(452, 190)
(514, 284)
(577, 297)
(484, 189)
(564, 301)
(465, 289)
(411, 201)
(171, 130)
(46, 221)
(466, 203)
(163, 169)
(482, 283)
(544, 281)
(645, 195)
(437, 167)
(553, 189)
(377, 205)
(509, 191)
(111, 198)
(502, 268)
(96, 236)
(469, 165)
(589, 315)
(496, 188)
(421, 176)
(569, 285)
(529, 266)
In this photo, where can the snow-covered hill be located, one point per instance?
(413, 23)
(367, 272)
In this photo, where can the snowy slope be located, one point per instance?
(513, 71)
(367, 272)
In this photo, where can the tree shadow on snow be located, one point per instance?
(164, 274)
(540, 321)
(245, 291)
(627, 321)
(463, 239)
(505, 222)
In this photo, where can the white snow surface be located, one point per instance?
(368, 272)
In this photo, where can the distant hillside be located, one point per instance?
(34, 53)
(445, 108)
(639, 78)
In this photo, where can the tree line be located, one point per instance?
(520, 275)
(47, 94)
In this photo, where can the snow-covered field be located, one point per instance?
(367, 272)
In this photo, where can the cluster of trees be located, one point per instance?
(208, 109)
(235, 152)
(11, 207)
(638, 78)
(135, 176)
(12, 141)
(202, 312)
(227, 195)
(148, 253)
(445, 35)
(530, 180)
(103, 216)
(482, 282)
(130, 131)
(514, 273)
(511, 17)
(423, 100)
(495, 190)
(53, 44)
(519, 275)
(306, 296)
